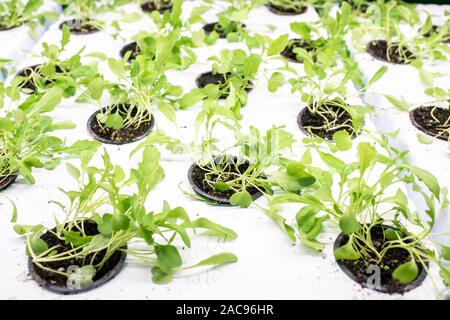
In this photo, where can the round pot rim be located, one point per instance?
(111, 274)
(385, 60)
(423, 129)
(221, 201)
(405, 288)
(274, 10)
(11, 178)
(107, 141)
(77, 32)
(302, 129)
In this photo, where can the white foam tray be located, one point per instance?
(269, 266)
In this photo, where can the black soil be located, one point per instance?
(124, 135)
(283, 11)
(289, 53)
(198, 179)
(215, 26)
(79, 27)
(391, 260)
(150, 6)
(90, 228)
(217, 79)
(313, 123)
(6, 181)
(133, 48)
(29, 84)
(395, 53)
(433, 30)
(439, 126)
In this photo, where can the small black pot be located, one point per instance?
(210, 27)
(74, 30)
(408, 287)
(6, 182)
(133, 47)
(209, 77)
(94, 135)
(294, 44)
(149, 6)
(434, 30)
(302, 128)
(66, 291)
(378, 50)
(285, 12)
(221, 201)
(419, 126)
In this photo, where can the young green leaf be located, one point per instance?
(242, 199)
(406, 272)
(161, 277)
(349, 224)
(275, 81)
(347, 252)
(343, 140)
(217, 260)
(214, 229)
(278, 45)
(168, 258)
(114, 121)
(377, 75)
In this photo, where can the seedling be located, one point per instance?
(148, 236)
(26, 139)
(14, 13)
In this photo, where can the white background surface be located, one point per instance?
(269, 266)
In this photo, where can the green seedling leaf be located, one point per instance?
(347, 252)
(168, 258)
(14, 210)
(391, 234)
(214, 229)
(366, 155)
(22, 229)
(251, 65)
(119, 222)
(104, 227)
(424, 138)
(278, 45)
(76, 238)
(37, 245)
(445, 252)
(114, 121)
(161, 277)
(399, 104)
(349, 224)
(221, 186)
(217, 260)
(275, 81)
(74, 172)
(191, 98)
(406, 272)
(377, 75)
(428, 179)
(242, 199)
(343, 140)
(211, 91)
